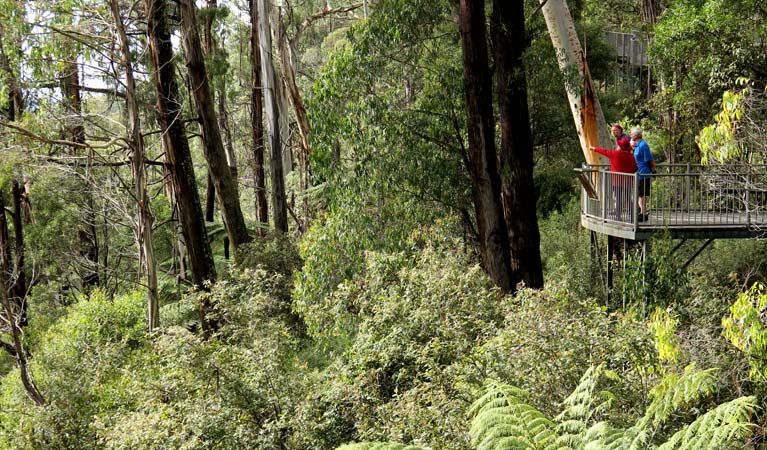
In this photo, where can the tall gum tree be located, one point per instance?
(144, 218)
(485, 181)
(516, 151)
(177, 152)
(279, 199)
(257, 121)
(226, 190)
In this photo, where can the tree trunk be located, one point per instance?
(15, 96)
(210, 200)
(486, 184)
(288, 64)
(13, 312)
(223, 123)
(226, 191)
(587, 112)
(19, 287)
(144, 219)
(88, 233)
(516, 152)
(211, 48)
(279, 199)
(177, 152)
(257, 121)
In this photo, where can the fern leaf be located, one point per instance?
(502, 420)
(725, 426)
(676, 392)
(379, 446)
(579, 404)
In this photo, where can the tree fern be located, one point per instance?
(379, 446)
(675, 392)
(502, 420)
(725, 426)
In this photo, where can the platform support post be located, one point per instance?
(610, 257)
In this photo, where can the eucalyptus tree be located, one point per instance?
(226, 189)
(273, 124)
(516, 151)
(177, 151)
(144, 219)
(485, 180)
(257, 119)
(12, 296)
(10, 75)
(217, 69)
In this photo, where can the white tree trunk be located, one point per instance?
(273, 120)
(143, 232)
(587, 112)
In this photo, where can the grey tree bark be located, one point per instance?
(144, 218)
(257, 121)
(279, 199)
(587, 112)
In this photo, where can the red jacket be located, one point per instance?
(620, 161)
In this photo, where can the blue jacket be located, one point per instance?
(643, 157)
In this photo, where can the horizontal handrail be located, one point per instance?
(682, 195)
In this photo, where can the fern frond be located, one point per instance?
(580, 404)
(496, 392)
(502, 420)
(725, 426)
(379, 446)
(568, 441)
(675, 392)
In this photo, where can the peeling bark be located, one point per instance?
(587, 113)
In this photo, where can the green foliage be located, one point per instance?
(663, 324)
(110, 386)
(379, 446)
(746, 328)
(276, 254)
(704, 47)
(718, 141)
(77, 367)
(658, 280)
(502, 419)
(563, 240)
(547, 358)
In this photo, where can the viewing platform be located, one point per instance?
(687, 201)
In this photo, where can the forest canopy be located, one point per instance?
(347, 224)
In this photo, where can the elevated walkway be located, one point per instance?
(687, 201)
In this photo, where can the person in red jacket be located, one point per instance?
(621, 161)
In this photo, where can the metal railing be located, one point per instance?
(682, 195)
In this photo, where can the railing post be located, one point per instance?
(603, 194)
(635, 200)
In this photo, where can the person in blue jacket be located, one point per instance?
(645, 167)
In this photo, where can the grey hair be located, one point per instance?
(636, 131)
